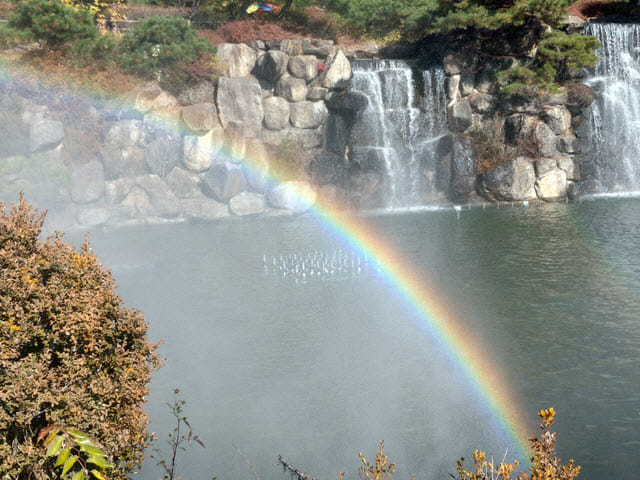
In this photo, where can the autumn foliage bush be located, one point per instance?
(71, 354)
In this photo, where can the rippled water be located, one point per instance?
(322, 367)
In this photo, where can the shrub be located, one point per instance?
(545, 464)
(70, 354)
(158, 44)
(52, 22)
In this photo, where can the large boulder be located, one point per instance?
(162, 203)
(308, 114)
(304, 67)
(183, 184)
(201, 92)
(545, 139)
(161, 155)
(240, 100)
(552, 185)
(337, 72)
(296, 196)
(149, 96)
(224, 180)
(464, 167)
(557, 118)
(291, 88)
(122, 162)
(276, 113)
(247, 203)
(87, 182)
(125, 133)
(256, 166)
(459, 115)
(199, 152)
(201, 117)
(237, 57)
(202, 208)
(326, 169)
(514, 180)
(271, 66)
(44, 134)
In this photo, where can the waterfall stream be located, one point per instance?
(615, 114)
(399, 128)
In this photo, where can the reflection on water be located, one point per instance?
(320, 370)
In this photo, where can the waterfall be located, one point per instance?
(615, 114)
(400, 126)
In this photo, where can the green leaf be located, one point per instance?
(78, 475)
(68, 465)
(78, 436)
(98, 475)
(62, 457)
(92, 450)
(98, 461)
(55, 446)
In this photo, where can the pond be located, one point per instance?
(283, 340)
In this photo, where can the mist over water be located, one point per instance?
(322, 368)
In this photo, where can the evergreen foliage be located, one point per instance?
(71, 355)
(158, 44)
(52, 22)
(559, 56)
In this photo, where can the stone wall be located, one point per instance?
(153, 156)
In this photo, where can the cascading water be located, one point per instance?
(615, 114)
(404, 117)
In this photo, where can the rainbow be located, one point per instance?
(433, 314)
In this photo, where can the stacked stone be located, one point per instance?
(140, 167)
(545, 126)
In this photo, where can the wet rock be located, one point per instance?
(464, 167)
(326, 169)
(247, 203)
(202, 208)
(224, 180)
(514, 180)
(459, 116)
(296, 196)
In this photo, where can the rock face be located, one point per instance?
(237, 57)
(513, 181)
(308, 114)
(296, 196)
(338, 71)
(225, 180)
(240, 100)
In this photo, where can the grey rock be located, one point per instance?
(452, 85)
(557, 118)
(304, 67)
(183, 184)
(296, 196)
(15, 134)
(290, 88)
(256, 169)
(149, 96)
(459, 116)
(453, 64)
(570, 167)
(317, 93)
(276, 113)
(201, 117)
(247, 203)
(338, 71)
(162, 203)
(202, 208)
(122, 162)
(464, 167)
(558, 98)
(202, 92)
(336, 135)
(271, 66)
(125, 133)
(514, 180)
(466, 84)
(545, 139)
(224, 180)
(543, 166)
(237, 57)
(161, 155)
(115, 191)
(257, 45)
(240, 100)
(87, 182)
(294, 46)
(199, 152)
(307, 114)
(45, 134)
(568, 144)
(481, 102)
(552, 186)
